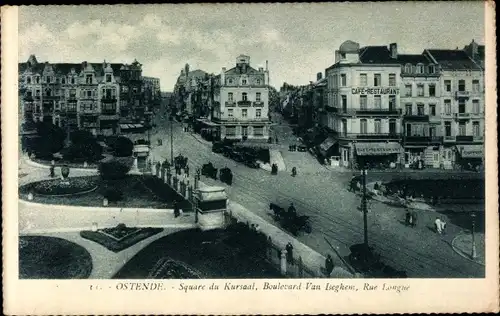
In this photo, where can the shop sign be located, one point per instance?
(471, 152)
(377, 90)
(377, 149)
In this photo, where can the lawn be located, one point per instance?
(120, 237)
(56, 187)
(139, 191)
(191, 253)
(52, 258)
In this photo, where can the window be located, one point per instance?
(363, 80)
(230, 81)
(230, 130)
(89, 93)
(244, 113)
(258, 130)
(475, 106)
(408, 90)
(72, 80)
(432, 90)
(230, 96)
(344, 103)
(37, 93)
(108, 78)
(258, 113)
(420, 90)
(392, 80)
(408, 108)
(257, 96)
(244, 82)
(87, 106)
(230, 112)
(475, 129)
(344, 127)
(447, 107)
(37, 79)
(28, 80)
(432, 69)
(72, 93)
(408, 68)
(420, 109)
(48, 92)
(258, 81)
(461, 85)
(363, 126)
(363, 102)
(392, 103)
(108, 107)
(72, 106)
(420, 69)
(447, 85)
(48, 79)
(63, 80)
(377, 80)
(244, 96)
(392, 126)
(88, 79)
(432, 109)
(343, 80)
(377, 102)
(461, 128)
(342, 55)
(475, 86)
(461, 106)
(378, 126)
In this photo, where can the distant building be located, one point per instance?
(241, 102)
(475, 52)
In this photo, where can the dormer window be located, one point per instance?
(243, 81)
(88, 79)
(258, 81)
(108, 78)
(408, 68)
(37, 79)
(432, 69)
(230, 81)
(420, 69)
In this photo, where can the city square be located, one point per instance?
(231, 169)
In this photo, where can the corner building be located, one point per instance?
(241, 102)
(363, 112)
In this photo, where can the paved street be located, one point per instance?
(333, 210)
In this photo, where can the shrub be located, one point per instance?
(80, 152)
(82, 137)
(113, 195)
(114, 169)
(50, 140)
(123, 147)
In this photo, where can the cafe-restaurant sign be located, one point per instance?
(377, 90)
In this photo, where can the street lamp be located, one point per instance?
(473, 254)
(171, 118)
(364, 207)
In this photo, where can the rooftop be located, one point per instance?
(453, 59)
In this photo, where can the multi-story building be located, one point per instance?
(462, 102)
(79, 96)
(132, 106)
(420, 102)
(475, 52)
(364, 105)
(186, 88)
(151, 91)
(241, 103)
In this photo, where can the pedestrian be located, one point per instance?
(413, 216)
(408, 217)
(176, 210)
(276, 139)
(52, 171)
(329, 265)
(289, 252)
(186, 170)
(438, 226)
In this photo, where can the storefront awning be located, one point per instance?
(377, 149)
(327, 144)
(470, 151)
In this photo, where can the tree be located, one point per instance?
(84, 147)
(113, 169)
(122, 147)
(49, 141)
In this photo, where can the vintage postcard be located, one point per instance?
(249, 158)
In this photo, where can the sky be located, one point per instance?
(298, 40)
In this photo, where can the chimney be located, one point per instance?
(393, 47)
(319, 76)
(267, 65)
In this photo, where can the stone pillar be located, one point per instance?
(94, 226)
(283, 262)
(105, 202)
(30, 196)
(169, 178)
(190, 193)
(85, 164)
(135, 166)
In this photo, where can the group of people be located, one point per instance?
(410, 218)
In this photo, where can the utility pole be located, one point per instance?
(364, 207)
(474, 253)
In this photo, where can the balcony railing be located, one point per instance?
(462, 115)
(230, 103)
(449, 138)
(367, 111)
(28, 97)
(464, 138)
(478, 138)
(242, 119)
(244, 103)
(109, 99)
(423, 139)
(462, 94)
(108, 112)
(416, 117)
(258, 103)
(369, 135)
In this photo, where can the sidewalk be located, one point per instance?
(311, 259)
(462, 244)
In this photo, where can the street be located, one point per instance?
(333, 210)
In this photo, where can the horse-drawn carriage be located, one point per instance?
(208, 170)
(180, 162)
(226, 175)
(289, 219)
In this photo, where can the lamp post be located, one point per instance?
(364, 207)
(474, 253)
(171, 118)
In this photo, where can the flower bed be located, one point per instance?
(52, 258)
(120, 237)
(167, 268)
(57, 187)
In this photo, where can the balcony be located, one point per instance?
(244, 120)
(258, 104)
(462, 94)
(423, 140)
(418, 117)
(369, 136)
(230, 103)
(51, 97)
(462, 116)
(108, 99)
(244, 103)
(108, 112)
(448, 139)
(478, 139)
(89, 111)
(367, 111)
(108, 116)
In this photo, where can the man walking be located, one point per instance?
(289, 252)
(329, 265)
(176, 210)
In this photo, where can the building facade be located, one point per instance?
(152, 92)
(364, 105)
(89, 96)
(241, 102)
